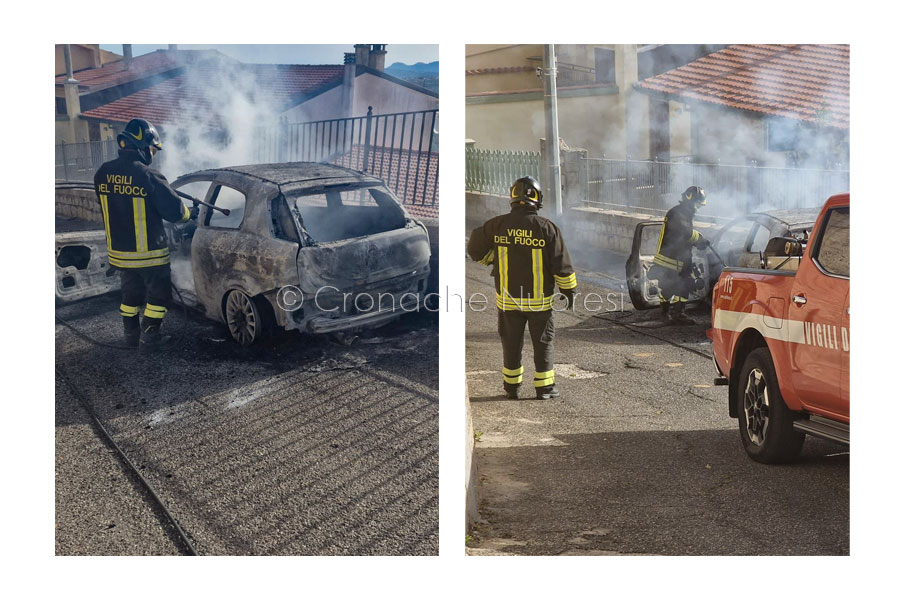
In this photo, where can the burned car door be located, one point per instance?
(643, 291)
(82, 266)
(238, 251)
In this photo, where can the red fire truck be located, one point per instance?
(781, 339)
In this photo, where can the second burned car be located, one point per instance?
(307, 246)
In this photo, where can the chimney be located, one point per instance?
(362, 54)
(376, 57)
(126, 52)
(347, 91)
(96, 61)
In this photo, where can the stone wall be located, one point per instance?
(581, 226)
(78, 204)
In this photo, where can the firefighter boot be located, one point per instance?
(132, 331)
(664, 305)
(677, 316)
(512, 391)
(151, 338)
(546, 392)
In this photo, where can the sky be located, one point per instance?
(309, 54)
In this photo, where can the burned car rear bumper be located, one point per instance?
(368, 320)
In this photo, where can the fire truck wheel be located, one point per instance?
(765, 422)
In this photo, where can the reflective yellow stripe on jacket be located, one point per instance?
(566, 282)
(666, 262)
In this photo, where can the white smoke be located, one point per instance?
(225, 118)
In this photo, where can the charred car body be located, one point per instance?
(307, 246)
(739, 243)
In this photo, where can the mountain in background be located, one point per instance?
(421, 74)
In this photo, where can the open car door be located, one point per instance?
(82, 266)
(644, 292)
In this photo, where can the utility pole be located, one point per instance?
(551, 129)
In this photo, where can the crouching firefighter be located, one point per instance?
(529, 259)
(673, 262)
(134, 200)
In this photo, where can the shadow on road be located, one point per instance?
(662, 492)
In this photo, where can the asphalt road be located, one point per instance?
(300, 446)
(638, 455)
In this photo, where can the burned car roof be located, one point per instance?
(297, 175)
(793, 217)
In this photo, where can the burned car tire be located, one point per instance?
(247, 319)
(766, 423)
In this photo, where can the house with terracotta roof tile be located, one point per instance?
(171, 87)
(599, 109)
(765, 104)
(774, 105)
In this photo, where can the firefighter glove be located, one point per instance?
(195, 211)
(570, 299)
(702, 243)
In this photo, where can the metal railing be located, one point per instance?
(79, 161)
(493, 171)
(401, 148)
(655, 186)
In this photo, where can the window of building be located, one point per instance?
(61, 106)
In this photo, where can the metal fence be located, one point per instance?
(493, 171)
(654, 186)
(400, 148)
(79, 161)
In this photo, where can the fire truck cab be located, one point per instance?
(781, 339)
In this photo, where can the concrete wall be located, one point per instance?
(594, 122)
(581, 226)
(78, 204)
(605, 119)
(481, 207)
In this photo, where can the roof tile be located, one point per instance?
(799, 81)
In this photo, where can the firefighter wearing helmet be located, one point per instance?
(134, 200)
(672, 263)
(529, 259)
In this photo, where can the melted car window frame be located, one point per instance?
(380, 194)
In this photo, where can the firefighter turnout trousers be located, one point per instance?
(150, 288)
(673, 259)
(511, 325)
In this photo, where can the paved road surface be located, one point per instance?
(300, 446)
(639, 455)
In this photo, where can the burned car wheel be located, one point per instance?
(766, 423)
(245, 318)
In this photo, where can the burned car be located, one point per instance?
(306, 246)
(739, 243)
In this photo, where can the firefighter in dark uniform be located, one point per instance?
(134, 200)
(529, 259)
(672, 263)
